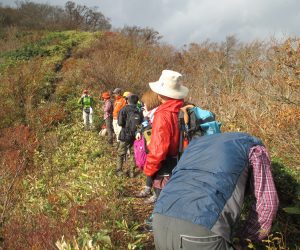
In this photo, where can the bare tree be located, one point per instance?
(143, 35)
(82, 17)
(30, 15)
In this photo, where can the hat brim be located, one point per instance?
(117, 91)
(180, 93)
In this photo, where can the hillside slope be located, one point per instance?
(57, 181)
(73, 192)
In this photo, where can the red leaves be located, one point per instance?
(17, 146)
(50, 115)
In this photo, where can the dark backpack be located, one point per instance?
(193, 122)
(134, 119)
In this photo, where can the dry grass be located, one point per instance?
(251, 87)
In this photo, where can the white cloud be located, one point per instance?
(184, 21)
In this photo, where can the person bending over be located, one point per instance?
(202, 201)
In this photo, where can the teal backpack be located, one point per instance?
(206, 120)
(194, 121)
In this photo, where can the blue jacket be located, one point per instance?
(208, 184)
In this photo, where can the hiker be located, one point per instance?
(87, 103)
(203, 199)
(126, 94)
(119, 103)
(128, 119)
(151, 103)
(163, 147)
(108, 111)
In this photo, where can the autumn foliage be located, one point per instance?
(252, 87)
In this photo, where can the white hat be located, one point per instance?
(169, 84)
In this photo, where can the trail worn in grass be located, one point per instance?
(74, 199)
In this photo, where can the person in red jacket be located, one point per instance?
(163, 148)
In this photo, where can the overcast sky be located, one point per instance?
(184, 21)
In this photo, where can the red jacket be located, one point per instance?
(165, 135)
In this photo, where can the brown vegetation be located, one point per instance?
(35, 16)
(251, 87)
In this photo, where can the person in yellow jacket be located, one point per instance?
(119, 103)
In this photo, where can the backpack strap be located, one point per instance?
(81, 100)
(181, 125)
(186, 117)
(183, 119)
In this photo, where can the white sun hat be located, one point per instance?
(169, 84)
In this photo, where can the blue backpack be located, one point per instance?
(206, 120)
(194, 121)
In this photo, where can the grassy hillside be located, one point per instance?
(73, 196)
(57, 182)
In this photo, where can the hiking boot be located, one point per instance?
(148, 223)
(132, 171)
(116, 146)
(149, 220)
(144, 193)
(131, 174)
(118, 172)
(128, 153)
(151, 199)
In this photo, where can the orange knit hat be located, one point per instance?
(105, 95)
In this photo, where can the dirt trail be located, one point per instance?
(140, 210)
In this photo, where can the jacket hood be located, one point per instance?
(118, 97)
(171, 105)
